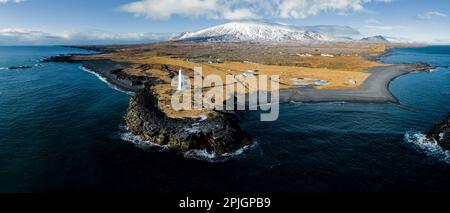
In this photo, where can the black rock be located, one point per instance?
(441, 133)
(60, 58)
(424, 67)
(19, 67)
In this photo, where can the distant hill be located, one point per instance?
(375, 39)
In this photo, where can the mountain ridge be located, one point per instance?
(248, 31)
(251, 31)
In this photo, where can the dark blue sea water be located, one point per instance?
(61, 130)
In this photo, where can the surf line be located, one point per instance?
(103, 79)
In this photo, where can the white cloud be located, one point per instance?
(242, 9)
(240, 14)
(24, 36)
(372, 21)
(430, 15)
(11, 1)
(301, 9)
(378, 25)
(157, 9)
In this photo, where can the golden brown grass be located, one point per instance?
(343, 72)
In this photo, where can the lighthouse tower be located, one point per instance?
(181, 80)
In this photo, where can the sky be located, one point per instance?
(135, 21)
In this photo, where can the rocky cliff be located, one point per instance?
(441, 133)
(220, 134)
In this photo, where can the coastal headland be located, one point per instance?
(338, 72)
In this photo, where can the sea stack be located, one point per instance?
(441, 133)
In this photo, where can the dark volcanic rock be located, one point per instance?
(20, 67)
(441, 133)
(60, 58)
(220, 134)
(66, 58)
(424, 67)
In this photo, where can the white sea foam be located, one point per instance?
(203, 155)
(213, 157)
(203, 117)
(4, 68)
(139, 142)
(195, 128)
(295, 102)
(104, 80)
(430, 147)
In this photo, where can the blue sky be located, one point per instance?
(44, 21)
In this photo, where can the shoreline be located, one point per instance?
(106, 68)
(374, 90)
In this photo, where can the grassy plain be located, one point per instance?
(340, 66)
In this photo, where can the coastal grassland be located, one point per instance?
(341, 66)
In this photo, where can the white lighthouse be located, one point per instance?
(181, 81)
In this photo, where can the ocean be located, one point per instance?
(62, 130)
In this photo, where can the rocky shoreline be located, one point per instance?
(17, 68)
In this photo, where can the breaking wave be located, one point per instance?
(430, 147)
(4, 68)
(139, 142)
(213, 157)
(104, 80)
(202, 155)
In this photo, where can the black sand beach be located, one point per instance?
(374, 90)
(106, 68)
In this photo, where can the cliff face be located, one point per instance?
(220, 134)
(441, 133)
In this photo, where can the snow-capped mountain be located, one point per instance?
(256, 32)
